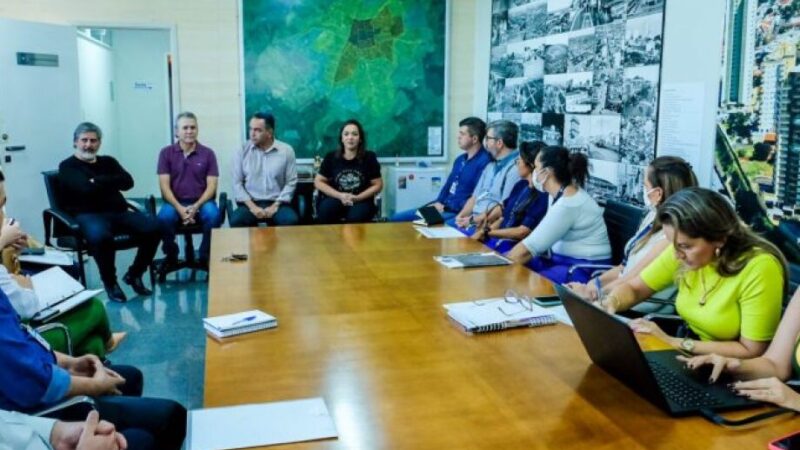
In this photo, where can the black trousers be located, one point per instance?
(331, 210)
(99, 230)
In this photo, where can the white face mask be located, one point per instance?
(538, 185)
(646, 196)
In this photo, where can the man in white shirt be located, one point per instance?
(24, 432)
(264, 177)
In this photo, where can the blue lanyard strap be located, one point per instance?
(632, 243)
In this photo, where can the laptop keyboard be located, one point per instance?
(680, 390)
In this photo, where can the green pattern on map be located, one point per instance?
(317, 63)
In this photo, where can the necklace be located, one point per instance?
(705, 290)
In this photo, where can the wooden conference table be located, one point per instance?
(361, 324)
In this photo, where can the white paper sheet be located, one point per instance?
(50, 257)
(440, 233)
(260, 425)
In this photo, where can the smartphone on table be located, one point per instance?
(546, 300)
(790, 442)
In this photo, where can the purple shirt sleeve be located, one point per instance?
(163, 162)
(213, 169)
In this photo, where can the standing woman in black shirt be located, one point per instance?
(349, 179)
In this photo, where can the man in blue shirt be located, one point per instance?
(34, 377)
(497, 179)
(467, 168)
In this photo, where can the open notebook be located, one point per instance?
(58, 293)
(496, 314)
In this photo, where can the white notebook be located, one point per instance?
(496, 314)
(239, 323)
(58, 292)
(259, 425)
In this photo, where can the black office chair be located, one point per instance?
(62, 231)
(187, 231)
(622, 220)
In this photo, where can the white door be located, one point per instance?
(39, 108)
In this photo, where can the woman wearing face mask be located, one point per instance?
(522, 211)
(664, 176)
(573, 231)
(730, 281)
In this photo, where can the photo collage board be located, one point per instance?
(583, 74)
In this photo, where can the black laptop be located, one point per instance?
(655, 375)
(429, 216)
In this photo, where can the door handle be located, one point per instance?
(15, 148)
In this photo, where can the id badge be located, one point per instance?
(38, 337)
(453, 187)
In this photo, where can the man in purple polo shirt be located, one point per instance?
(187, 175)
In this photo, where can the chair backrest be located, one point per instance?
(622, 221)
(52, 185)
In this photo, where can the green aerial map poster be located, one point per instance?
(316, 63)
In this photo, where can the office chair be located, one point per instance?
(622, 220)
(187, 231)
(61, 231)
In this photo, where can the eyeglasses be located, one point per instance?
(511, 299)
(491, 138)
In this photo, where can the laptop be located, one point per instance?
(429, 216)
(655, 375)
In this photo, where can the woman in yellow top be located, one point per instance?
(730, 281)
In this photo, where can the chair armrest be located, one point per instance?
(572, 269)
(665, 317)
(60, 327)
(136, 206)
(52, 214)
(83, 403)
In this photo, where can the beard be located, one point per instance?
(86, 155)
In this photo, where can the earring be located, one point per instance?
(717, 251)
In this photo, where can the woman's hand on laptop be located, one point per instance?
(650, 327)
(719, 364)
(770, 390)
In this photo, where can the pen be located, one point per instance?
(245, 319)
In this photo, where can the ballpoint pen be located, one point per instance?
(243, 320)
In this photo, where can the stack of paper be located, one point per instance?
(239, 323)
(259, 425)
(497, 314)
(440, 233)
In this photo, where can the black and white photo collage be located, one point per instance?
(583, 74)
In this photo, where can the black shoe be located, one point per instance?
(136, 284)
(115, 293)
(169, 265)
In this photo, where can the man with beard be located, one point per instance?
(91, 188)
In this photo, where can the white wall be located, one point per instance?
(693, 58)
(96, 77)
(142, 109)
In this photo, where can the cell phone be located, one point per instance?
(32, 251)
(239, 256)
(547, 300)
(790, 442)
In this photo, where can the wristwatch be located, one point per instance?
(688, 345)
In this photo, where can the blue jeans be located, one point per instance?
(242, 217)
(209, 217)
(410, 215)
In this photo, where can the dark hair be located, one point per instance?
(2, 176)
(87, 127)
(703, 213)
(506, 131)
(671, 174)
(528, 151)
(268, 118)
(567, 167)
(475, 126)
(362, 141)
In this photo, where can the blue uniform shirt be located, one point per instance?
(462, 180)
(519, 209)
(29, 376)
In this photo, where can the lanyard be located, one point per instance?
(632, 243)
(558, 195)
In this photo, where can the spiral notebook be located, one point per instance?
(496, 314)
(240, 323)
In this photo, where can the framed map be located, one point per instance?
(316, 63)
